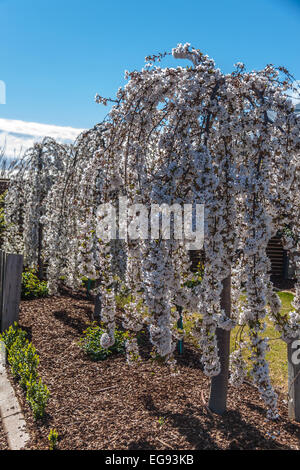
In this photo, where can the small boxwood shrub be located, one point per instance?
(24, 360)
(11, 335)
(90, 343)
(52, 438)
(37, 396)
(32, 287)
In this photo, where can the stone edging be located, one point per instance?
(12, 417)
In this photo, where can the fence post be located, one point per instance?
(2, 266)
(11, 277)
(293, 349)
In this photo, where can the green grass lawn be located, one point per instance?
(277, 356)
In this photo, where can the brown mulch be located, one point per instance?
(108, 405)
(3, 440)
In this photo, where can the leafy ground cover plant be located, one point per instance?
(90, 343)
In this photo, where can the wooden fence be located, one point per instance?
(11, 267)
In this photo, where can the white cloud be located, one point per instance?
(18, 136)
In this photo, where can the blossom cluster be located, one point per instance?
(182, 135)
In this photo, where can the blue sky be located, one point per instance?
(55, 55)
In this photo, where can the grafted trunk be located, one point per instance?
(219, 384)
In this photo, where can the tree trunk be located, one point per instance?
(40, 273)
(180, 325)
(294, 379)
(97, 308)
(219, 384)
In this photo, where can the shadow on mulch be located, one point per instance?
(28, 330)
(46, 420)
(195, 427)
(76, 295)
(256, 407)
(292, 428)
(189, 358)
(188, 425)
(140, 444)
(74, 323)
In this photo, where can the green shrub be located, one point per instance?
(90, 343)
(37, 396)
(24, 360)
(16, 357)
(28, 372)
(32, 287)
(52, 438)
(9, 336)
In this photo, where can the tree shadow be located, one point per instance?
(76, 295)
(191, 357)
(141, 444)
(75, 323)
(86, 311)
(292, 428)
(260, 409)
(199, 426)
(28, 330)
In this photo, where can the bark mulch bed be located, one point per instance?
(108, 405)
(3, 440)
